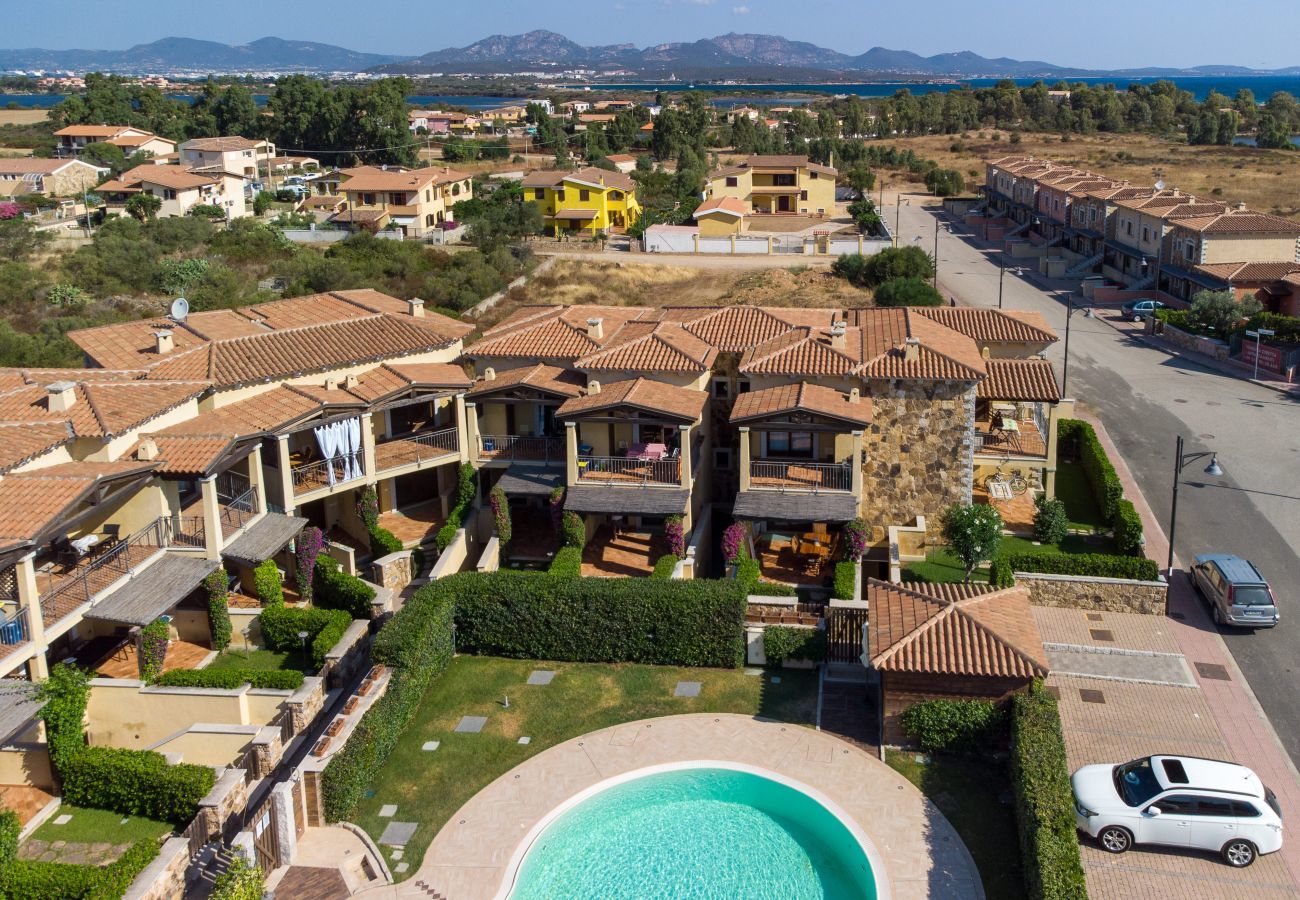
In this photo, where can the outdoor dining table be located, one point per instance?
(647, 451)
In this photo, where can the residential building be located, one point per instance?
(412, 200)
(588, 119)
(508, 115)
(1092, 217)
(74, 138)
(1233, 250)
(587, 199)
(438, 122)
(240, 155)
(796, 420)
(1137, 250)
(286, 162)
(720, 216)
(53, 177)
(777, 184)
(179, 188)
(624, 162)
(574, 106)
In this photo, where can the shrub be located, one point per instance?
(153, 648)
(855, 535)
(1001, 574)
(575, 530)
(1095, 565)
(1286, 328)
(781, 642)
(748, 573)
(1097, 468)
(65, 692)
(229, 679)
(29, 879)
(206, 210)
(533, 616)
(556, 504)
(136, 783)
(665, 566)
(10, 828)
(242, 880)
(1128, 529)
(466, 488)
(310, 543)
(218, 609)
(324, 627)
(501, 523)
(953, 726)
(733, 542)
(1040, 782)
(1222, 311)
(1051, 524)
(675, 530)
(417, 643)
(907, 292)
(266, 583)
(368, 507)
(567, 563)
(852, 267)
(845, 579)
(972, 532)
(384, 542)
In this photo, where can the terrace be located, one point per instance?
(798, 558)
(1011, 429)
(430, 444)
(613, 552)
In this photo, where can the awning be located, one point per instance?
(531, 481)
(578, 214)
(797, 507)
(18, 709)
(155, 590)
(646, 501)
(264, 538)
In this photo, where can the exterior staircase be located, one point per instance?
(1018, 230)
(1084, 266)
(1142, 283)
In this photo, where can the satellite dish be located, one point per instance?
(1160, 185)
(180, 309)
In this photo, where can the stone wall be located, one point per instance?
(1097, 594)
(164, 878)
(349, 656)
(227, 798)
(919, 451)
(306, 702)
(394, 571)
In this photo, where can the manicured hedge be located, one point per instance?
(466, 487)
(747, 575)
(1001, 574)
(665, 566)
(229, 679)
(781, 642)
(336, 589)
(28, 879)
(136, 783)
(10, 828)
(845, 579)
(384, 542)
(567, 563)
(533, 616)
(218, 609)
(1105, 483)
(1040, 782)
(267, 584)
(324, 627)
(417, 643)
(1128, 529)
(1095, 565)
(954, 726)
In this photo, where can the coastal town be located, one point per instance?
(487, 498)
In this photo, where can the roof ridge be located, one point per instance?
(94, 409)
(959, 609)
(912, 636)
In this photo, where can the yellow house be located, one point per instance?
(777, 184)
(721, 217)
(588, 199)
(414, 200)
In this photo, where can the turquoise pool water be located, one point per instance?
(696, 834)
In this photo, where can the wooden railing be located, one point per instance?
(520, 448)
(620, 470)
(404, 449)
(802, 477)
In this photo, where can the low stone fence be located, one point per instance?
(349, 655)
(306, 703)
(488, 302)
(394, 571)
(164, 878)
(1095, 594)
(1187, 341)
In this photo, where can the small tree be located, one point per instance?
(973, 533)
(907, 292)
(864, 214)
(153, 649)
(143, 206)
(262, 202)
(267, 584)
(1051, 524)
(575, 530)
(861, 179)
(1221, 310)
(897, 262)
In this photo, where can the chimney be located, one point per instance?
(147, 451)
(855, 395)
(163, 342)
(912, 349)
(593, 387)
(332, 383)
(837, 334)
(351, 381)
(596, 328)
(62, 394)
(415, 306)
(489, 374)
(1241, 206)
(1176, 193)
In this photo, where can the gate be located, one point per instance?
(788, 244)
(844, 634)
(265, 843)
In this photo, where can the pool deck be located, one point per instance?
(922, 855)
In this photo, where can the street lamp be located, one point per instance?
(936, 248)
(1069, 314)
(1258, 334)
(1181, 460)
(898, 214)
(1002, 271)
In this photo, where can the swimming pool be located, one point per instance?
(696, 832)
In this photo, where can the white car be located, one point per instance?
(1178, 801)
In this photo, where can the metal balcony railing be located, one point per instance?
(800, 477)
(620, 470)
(316, 474)
(237, 512)
(401, 450)
(516, 448)
(89, 577)
(14, 631)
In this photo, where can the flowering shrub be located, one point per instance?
(855, 539)
(733, 542)
(311, 541)
(673, 528)
(368, 508)
(557, 509)
(501, 523)
(153, 649)
(8, 211)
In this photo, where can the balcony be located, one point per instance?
(1012, 430)
(520, 448)
(14, 630)
(327, 473)
(800, 477)
(622, 470)
(418, 447)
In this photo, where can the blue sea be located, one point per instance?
(45, 101)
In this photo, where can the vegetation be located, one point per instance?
(242, 880)
(892, 262)
(93, 826)
(567, 563)
(218, 609)
(1094, 565)
(229, 679)
(845, 579)
(136, 783)
(10, 828)
(501, 523)
(266, 582)
(781, 642)
(32, 880)
(907, 292)
(954, 726)
(262, 661)
(1051, 524)
(1221, 311)
(1001, 574)
(310, 543)
(972, 533)
(153, 648)
(574, 530)
(665, 566)
(1081, 440)
(324, 627)
(466, 488)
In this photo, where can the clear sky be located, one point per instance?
(1095, 34)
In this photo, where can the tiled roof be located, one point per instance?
(373, 178)
(992, 325)
(23, 166)
(362, 216)
(552, 379)
(650, 347)
(21, 442)
(551, 332)
(1252, 271)
(732, 329)
(32, 501)
(99, 131)
(185, 454)
(388, 379)
(222, 144)
(176, 177)
(1018, 379)
(588, 175)
(988, 635)
(642, 393)
(99, 409)
(801, 397)
(800, 351)
(1242, 222)
(940, 352)
(728, 205)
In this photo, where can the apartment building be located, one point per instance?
(178, 187)
(1238, 250)
(240, 155)
(587, 199)
(796, 420)
(412, 200)
(769, 185)
(74, 138)
(53, 177)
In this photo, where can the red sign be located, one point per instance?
(1270, 357)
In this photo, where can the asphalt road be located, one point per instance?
(1147, 398)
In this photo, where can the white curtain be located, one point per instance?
(354, 444)
(327, 440)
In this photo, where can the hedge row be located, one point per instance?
(567, 563)
(665, 566)
(135, 783)
(28, 879)
(781, 642)
(954, 726)
(1094, 565)
(324, 627)
(335, 589)
(1104, 481)
(466, 488)
(747, 575)
(267, 584)
(845, 579)
(1040, 781)
(229, 679)
(530, 615)
(417, 643)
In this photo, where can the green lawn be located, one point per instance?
(970, 792)
(428, 787)
(262, 660)
(1073, 490)
(93, 826)
(941, 566)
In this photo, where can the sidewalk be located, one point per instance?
(1245, 729)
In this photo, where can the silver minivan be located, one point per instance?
(1236, 591)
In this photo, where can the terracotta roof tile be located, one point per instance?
(373, 178)
(728, 205)
(1253, 271)
(642, 393)
(20, 443)
(587, 175)
(801, 397)
(650, 347)
(992, 325)
(1019, 379)
(30, 502)
(1241, 222)
(800, 351)
(732, 329)
(100, 409)
(541, 376)
(189, 454)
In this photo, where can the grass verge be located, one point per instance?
(262, 660)
(96, 826)
(1073, 490)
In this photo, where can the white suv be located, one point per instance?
(1178, 801)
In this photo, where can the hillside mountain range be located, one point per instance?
(732, 56)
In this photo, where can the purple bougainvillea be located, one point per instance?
(8, 211)
(311, 541)
(733, 542)
(676, 533)
(856, 534)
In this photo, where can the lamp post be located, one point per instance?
(1002, 272)
(1069, 314)
(898, 214)
(1258, 335)
(936, 251)
(1181, 460)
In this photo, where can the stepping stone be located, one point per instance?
(687, 689)
(398, 834)
(753, 671)
(388, 810)
(63, 819)
(429, 745)
(471, 724)
(396, 854)
(401, 867)
(776, 679)
(540, 676)
(525, 740)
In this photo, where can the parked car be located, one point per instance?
(1178, 801)
(1141, 309)
(1235, 589)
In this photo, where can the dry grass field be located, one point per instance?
(1266, 180)
(23, 116)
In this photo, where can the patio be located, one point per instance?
(611, 554)
(534, 533)
(1017, 512)
(122, 661)
(803, 559)
(415, 524)
(1013, 436)
(66, 583)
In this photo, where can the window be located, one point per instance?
(169, 194)
(1188, 251)
(616, 195)
(1174, 771)
(803, 195)
(783, 180)
(1128, 228)
(742, 387)
(812, 175)
(539, 193)
(1176, 805)
(559, 195)
(1146, 234)
(428, 195)
(721, 388)
(584, 195)
(367, 199)
(731, 181)
(789, 443)
(1214, 806)
(455, 190)
(1244, 810)
(722, 457)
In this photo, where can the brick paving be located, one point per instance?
(1133, 631)
(849, 712)
(1119, 665)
